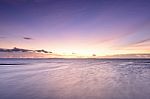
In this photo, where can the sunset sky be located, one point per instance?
(83, 27)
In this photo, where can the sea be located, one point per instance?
(74, 78)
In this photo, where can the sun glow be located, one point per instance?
(89, 53)
(84, 52)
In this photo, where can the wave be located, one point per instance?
(14, 64)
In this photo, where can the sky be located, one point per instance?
(82, 27)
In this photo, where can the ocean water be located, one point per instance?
(74, 79)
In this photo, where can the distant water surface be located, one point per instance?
(74, 79)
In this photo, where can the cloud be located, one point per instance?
(121, 36)
(24, 50)
(42, 51)
(21, 2)
(142, 41)
(146, 55)
(14, 50)
(27, 38)
(1, 37)
(139, 43)
(15, 1)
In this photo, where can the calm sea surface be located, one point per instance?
(74, 79)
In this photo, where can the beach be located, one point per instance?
(74, 78)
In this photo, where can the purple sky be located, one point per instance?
(82, 26)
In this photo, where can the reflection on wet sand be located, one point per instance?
(76, 79)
